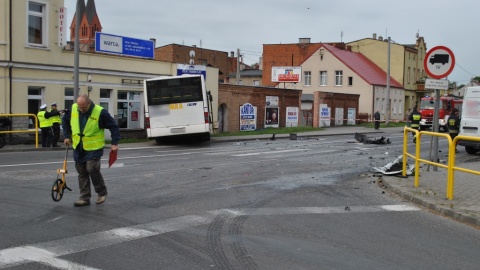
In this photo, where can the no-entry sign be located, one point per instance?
(439, 62)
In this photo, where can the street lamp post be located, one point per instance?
(388, 84)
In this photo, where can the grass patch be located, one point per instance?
(285, 130)
(383, 125)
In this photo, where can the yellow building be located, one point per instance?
(406, 63)
(37, 67)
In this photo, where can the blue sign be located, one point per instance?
(248, 117)
(107, 43)
(192, 70)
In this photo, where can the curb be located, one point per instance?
(430, 206)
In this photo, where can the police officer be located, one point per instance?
(415, 118)
(56, 122)
(454, 125)
(45, 126)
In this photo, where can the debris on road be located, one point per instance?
(366, 140)
(395, 167)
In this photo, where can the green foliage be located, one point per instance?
(383, 125)
(286, 130)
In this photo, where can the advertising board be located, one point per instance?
(287, 74)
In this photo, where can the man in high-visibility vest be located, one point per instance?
(415, 118)
(83, 128)
(56, 122)
(45, 125)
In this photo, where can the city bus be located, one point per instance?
(177, 107)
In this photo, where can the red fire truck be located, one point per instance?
(427, 109)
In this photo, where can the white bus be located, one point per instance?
(177, 106)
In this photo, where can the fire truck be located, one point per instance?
(427, 109)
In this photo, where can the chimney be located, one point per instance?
(374, 36)
(304, 40)
(232, 54)
(380, 38)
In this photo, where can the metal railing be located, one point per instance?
(26, 130)
(451, 157)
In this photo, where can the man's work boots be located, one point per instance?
(101, 199)
(81, 202)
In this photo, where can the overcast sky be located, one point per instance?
(247, 25)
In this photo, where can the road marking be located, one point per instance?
(48, 252)
(269, 152)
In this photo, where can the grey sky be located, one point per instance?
(247, 25)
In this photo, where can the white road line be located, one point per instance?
(48, 252)
(269, 152)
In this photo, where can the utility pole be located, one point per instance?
(388, 84)
(76, 88)
(238, 66)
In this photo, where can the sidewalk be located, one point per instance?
(431, 193)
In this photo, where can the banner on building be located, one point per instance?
(248, 117)
(192, 70)
(324, 119)
(287, 74)
(352, 115)
(62, 26)
(292, 117)
(271, 117)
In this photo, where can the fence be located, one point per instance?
(23, 131)
(451, 157)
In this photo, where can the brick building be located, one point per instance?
(175, 53)
(231, 97)
(335, 101)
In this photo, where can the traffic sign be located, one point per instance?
(439, 62)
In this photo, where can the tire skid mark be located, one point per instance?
(237, 246)
(187, 253)
(214, 242)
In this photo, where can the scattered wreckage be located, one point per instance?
(395, 167)
(366, 140)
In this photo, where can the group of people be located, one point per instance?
(83, 129)
(50, 122)
(453, 123)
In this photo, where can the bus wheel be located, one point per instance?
(471, 150)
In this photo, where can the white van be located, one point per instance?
(470, 121)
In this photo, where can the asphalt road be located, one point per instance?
(283, 204)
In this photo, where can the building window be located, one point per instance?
(350, 81)
(105, 100)
(408, 75)
(68, 97)
(35, 97)
(338, 78)
(37, 22)
(307, 76)
(323, 78)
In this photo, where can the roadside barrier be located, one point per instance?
(23, 131)
(451, 157)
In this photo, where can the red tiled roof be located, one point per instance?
(364, 67)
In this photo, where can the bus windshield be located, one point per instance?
(177, 90)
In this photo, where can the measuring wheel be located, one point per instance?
(57, 190)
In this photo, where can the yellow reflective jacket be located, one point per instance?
(93, 137)
(44, 122)
(55, 119)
